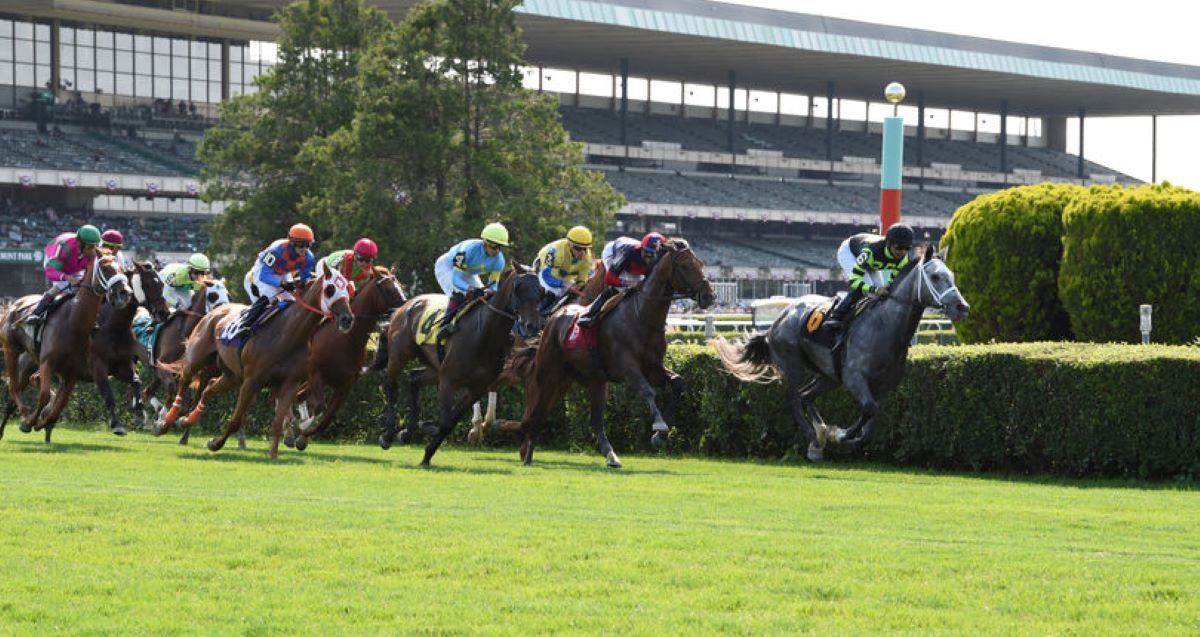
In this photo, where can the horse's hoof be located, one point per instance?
(836, 435)
(25, 427)
(429, 428)
(405, 436)
(815, 453)
(613, 461)
(385, 442)
(473, 437)
(215, 445)
(289, 442)
(301, 444)
(658, 440)
(119, 430)
(139, 420)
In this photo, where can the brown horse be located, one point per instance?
(473, 358)
(66, 341)
(336, 359)
(270, 357)
(170, 343)
(631, 344)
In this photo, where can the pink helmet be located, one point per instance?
(112, 239)
(651, 241)
(366, 247)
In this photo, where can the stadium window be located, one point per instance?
(214, 69)
(179, 68)
(85, 80)
(6, 49)
(142, 44)
(162, 87)
(104, 40)
(24, 74)
(124, 60)
(214, 51)
(85, 57)
(23, 30)
(235, 53)
(143, 86)
(199, 69)
(124, 42)
(124, 84)
(235, 73)
(66, 35)
(6, 28)
(42, 32)
(43, 75)
(104, 59)
(214, 91)
(104, 82)
(24, 51)
(66, 75)
(143, 63)
(179, 89)
(199, 91)
(790, 104)
(179, 48)
(41, 52)
(162, 66)
(6, 74)
(85, 37)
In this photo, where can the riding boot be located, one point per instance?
(594, 309)
(836, 319)
(39, 313)
(253, 313)
(457, 300)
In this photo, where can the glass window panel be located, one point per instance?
(199, 69)
(179, 89)
(66, 35)
(250, 73)
(125, 41)
(85, 80)
(66, 75)
(41, 51)
(6, 48)
(104, 82)
(6, 73)
(235, 72)
(66, 54)
(142, 85)
(162, 87)
(43, 33)
(43, 75)
(141, 43)
(6, 28)
(24, 51)
(214, 51)
(199, 49)
(104, 59)
(199, 91)
(85, 37)
(214, 91)
(214, 69)
(162, 45)
(143, 63)
(235, 53)
(104, 39)
(124, 61)
(124, 84)
(84, 58)
(179, 47)
(251, 89)
(162, 65)
(179, 67)
(235, 90)
(24, 31)
(24, 75)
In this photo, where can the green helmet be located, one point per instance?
(88, 235)
(199, 262)
(495, 233)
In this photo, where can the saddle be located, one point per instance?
(429, 326)
(236, 333)
(34, 331)
(814, 321)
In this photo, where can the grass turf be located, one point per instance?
(107, 535)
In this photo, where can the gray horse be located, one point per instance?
(871, 358)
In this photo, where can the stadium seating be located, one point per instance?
(89, 151)
(31, 225)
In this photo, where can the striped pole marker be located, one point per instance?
(893, 160)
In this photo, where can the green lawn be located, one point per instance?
(106, 535)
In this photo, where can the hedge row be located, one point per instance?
(1068, 409)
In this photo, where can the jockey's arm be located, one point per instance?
(307, 270)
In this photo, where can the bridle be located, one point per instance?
(101, 284)
(689, 291)
(924, 282)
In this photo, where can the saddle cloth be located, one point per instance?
(236, 333)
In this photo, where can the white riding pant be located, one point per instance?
(444, 271)
(846, 260)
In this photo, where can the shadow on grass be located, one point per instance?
(38, 446)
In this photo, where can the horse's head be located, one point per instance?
(936, 287)
(335, 297)
(525, 299)
(215, 295)
(148, 290)
(389, 286)
(687, 272)
(109, 281)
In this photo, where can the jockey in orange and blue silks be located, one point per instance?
(65, 261)
(278, 269)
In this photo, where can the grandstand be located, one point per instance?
(753, 133)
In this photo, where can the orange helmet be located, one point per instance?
(301, 232)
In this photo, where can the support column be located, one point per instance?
(829, 121)
(778, 108)
(1004, 138)
(224, 70)
(1082, 116)
(541, 74)
(1054, 131)
(576, 88)
(683, 99)
(625, 107)
(1154, 149)
(55, 57)
(731, 120)
(921, 136)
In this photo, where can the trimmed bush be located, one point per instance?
(1127, 246)
(1064, 408)
(1005, 249)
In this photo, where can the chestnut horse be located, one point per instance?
(267, 359)
(66, 341)
(474, 355)
(336, 359)
(631, 344)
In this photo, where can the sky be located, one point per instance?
(1163, 30)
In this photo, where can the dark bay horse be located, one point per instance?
(66, 341)
(269, 359)
(631, 344)
(474, 355)
(872, 358)
(169, 345)
(336, 359)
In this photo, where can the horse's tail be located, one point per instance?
(749, 361)
(175, 368)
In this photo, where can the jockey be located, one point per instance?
(180, 280)
(871, 261)
(112, 241)
(626, 262)
(564, 266)
(354, 264)
(278, 269)
(469, 268)
(66, 258)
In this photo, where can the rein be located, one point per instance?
(924, 282)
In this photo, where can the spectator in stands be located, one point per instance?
(871, 261)
(66, 259)
(626, 263)
(180, 280)
(563, 266)
(469, 269)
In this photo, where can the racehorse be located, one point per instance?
(869, 363)
(266, 360)
(169, 344)
(520, 360)
(630, 346)
(474, 355)
(65, 343)
(336, 360)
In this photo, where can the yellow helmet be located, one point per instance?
(495, 233)
(580, 236)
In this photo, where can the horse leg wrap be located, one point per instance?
(194, 417)
(173, 413)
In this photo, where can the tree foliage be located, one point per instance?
(416, 134)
